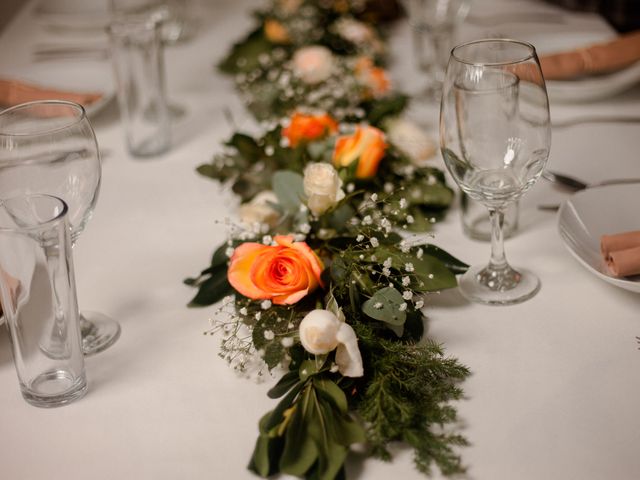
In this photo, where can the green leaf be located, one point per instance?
(308, 368)
(331, 392)
(288, 187)
(246, 146)
(390, 106)
(384, 305)
(449, 261)
(276, 417)
(436, 195)
(213, 289)
(259, 463)
(244, 54)
(284, 384)
(300, 451)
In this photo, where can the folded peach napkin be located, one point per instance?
(593, 59)
(13, 284)
(14, 92)
(621, 253)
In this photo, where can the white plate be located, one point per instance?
(588, 88)
(73, 15)
(594, 212)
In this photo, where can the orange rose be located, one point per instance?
(276, 32)
(366, 146)
(284, 273)
(308, 128)
(373, 78)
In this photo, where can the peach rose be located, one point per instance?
(366, 146)
(313, 64)
(284, 273)
(373, 78)
(304, 127)
(276, 32)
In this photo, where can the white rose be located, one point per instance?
(323, 187)
(411, 140)
(322, 332)
(260, 210)
(313, 64)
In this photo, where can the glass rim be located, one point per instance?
(39, 226)
(82, 115)
(531, 55)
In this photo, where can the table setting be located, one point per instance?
(294, 220)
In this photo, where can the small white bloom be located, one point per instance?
(243, 311)
(374, 197)
(323, 187)
(387, 263)
(406, 281)
(229, 252)
(374, 242)
(409, 267)
(388, 187)
(377, 305)
(410, 219)
(403, 203)
(367, 220)
(269, 335)
(267, 239)
(305, 228)
(258, 315)
(407, 294)
(265, 304)
(419, 304)
(402, 307)
(350, 187)
(313, 64)
(419, 253)
(359, 238)
(287, 342)
(386, 271)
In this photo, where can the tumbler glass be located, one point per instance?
(38, 293)
(138, 61)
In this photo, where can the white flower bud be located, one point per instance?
(322, 185)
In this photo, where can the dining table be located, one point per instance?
(551, 395)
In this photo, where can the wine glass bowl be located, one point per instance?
(495, 137)
(49, 147)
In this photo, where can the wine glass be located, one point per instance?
(495, 137)
(434, 24)
(49, 147)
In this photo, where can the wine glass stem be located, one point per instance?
(498, 275)
(498, 259)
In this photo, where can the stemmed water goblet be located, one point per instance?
(434, 24)
(50, 147)
(495, 137)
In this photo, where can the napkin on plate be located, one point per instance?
(621, 253)
(14, 92)
(14, 285)
(593, 59)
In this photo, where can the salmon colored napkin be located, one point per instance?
(14, 284)
(14, 92)
(593, 59)
(621, 253)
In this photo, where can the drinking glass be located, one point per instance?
(434, 24)
(495, 137)
(49, 147)
(38, 293)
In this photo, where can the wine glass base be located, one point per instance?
(98, 332)
(472, 289)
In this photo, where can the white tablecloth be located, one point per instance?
(553, 393)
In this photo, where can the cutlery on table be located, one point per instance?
(575, 184)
